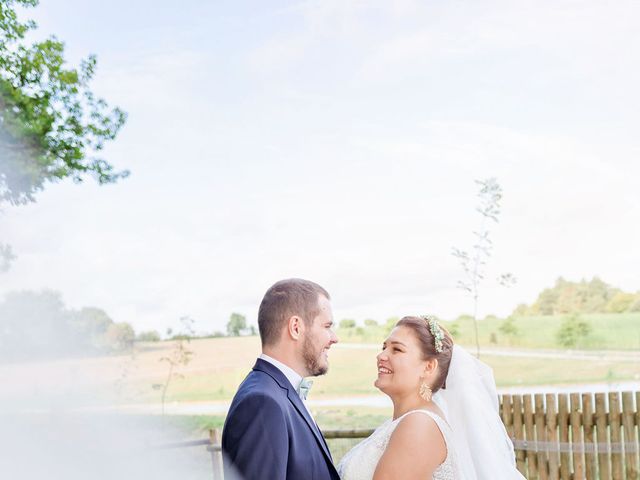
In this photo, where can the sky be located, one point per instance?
(339, 141)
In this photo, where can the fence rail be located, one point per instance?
(575, 436)
(556, 436)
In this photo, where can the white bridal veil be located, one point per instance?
(470, 404)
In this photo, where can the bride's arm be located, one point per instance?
(416, 448)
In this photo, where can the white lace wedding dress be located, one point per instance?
(361, 461)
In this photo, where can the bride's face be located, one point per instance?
(400, 363)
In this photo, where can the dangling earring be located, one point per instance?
(425, 391)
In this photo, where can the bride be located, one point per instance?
(445, 422)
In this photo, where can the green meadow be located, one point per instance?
(353, 372)
(607, 331)
(329, 418)
(218, 365)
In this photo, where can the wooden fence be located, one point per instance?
(556, 436)
(574, 436)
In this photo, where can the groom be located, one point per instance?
(269, 432)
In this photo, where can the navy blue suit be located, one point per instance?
(268, 433)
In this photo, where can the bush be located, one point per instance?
(453, 328)
(119, 336)
(347, 323)
(237, 323)
(621, 302)
(148, 336)
(509, 329)
(635, 306)
(572, 331)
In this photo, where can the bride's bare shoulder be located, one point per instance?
(419, 426)
(416, 448)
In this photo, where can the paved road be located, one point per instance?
(382, 401)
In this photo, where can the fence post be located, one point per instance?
(576, 437)
(543, 464)
(616, 437)
(604, 466)
(551, 436)
(631, 456)
(637, 422)
(563, 427)
(507, 414)
(216, 454)
(587, 419)
(529, 423)
(518, 430)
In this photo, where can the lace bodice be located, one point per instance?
(361, 461)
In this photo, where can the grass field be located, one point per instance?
(609, 331)
(220, 364)
(327, 418)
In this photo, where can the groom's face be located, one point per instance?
(318, 338)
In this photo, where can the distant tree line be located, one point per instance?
(594, 296)
(237, 326)
(38, 325)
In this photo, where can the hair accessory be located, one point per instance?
(436, 331)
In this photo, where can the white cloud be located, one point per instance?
(585, 37)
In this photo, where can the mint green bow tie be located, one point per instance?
(304, 387)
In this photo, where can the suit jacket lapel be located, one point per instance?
(297, 402)
(295, 399)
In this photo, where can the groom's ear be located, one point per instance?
(295, 327)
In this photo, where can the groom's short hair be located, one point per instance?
(285, 299)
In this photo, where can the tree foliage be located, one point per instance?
(37, 325)
(119, 336)
(52, 126)
(621, 302)
(347, 323)
(6, 257)
(572, 331)
(148, 336)
(474, 263)
(593, 296)
(509, 328)
(179, 355)
(236, 325)
(389, 324)
(454, 329)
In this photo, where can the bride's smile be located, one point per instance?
(400, 364)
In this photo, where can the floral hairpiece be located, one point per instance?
(436, 331)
